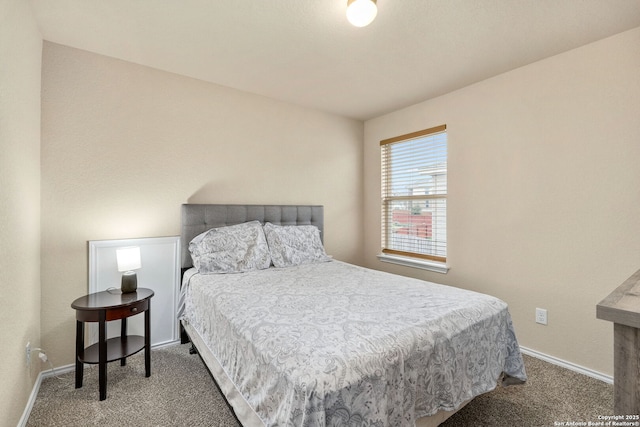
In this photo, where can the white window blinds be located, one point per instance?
(414, 194)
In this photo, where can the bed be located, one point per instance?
(300, 339)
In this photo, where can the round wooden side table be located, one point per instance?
(103, 307)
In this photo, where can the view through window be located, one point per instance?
(414, 194)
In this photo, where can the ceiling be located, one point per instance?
(306, 53)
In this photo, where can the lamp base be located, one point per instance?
(129, 282)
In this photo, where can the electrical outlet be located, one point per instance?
(541, 316)
(28, 353)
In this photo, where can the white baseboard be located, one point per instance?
(568, 365)
(59, 371)
(36, 387)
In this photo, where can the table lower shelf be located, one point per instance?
(117, 348)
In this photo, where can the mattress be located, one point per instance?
(336, 344)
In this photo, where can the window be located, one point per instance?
(414, 194)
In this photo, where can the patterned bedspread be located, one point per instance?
(331, 344)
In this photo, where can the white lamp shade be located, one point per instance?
(128, 258)
(361, 12)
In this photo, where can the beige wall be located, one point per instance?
(124, 145)
(20, 59)
(544, 191)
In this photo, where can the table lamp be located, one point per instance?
(128, 260)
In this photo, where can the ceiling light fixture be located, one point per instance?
(361, 12)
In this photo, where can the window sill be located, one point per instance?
(434, 266)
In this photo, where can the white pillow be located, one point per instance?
(294, 244)
(233, 249)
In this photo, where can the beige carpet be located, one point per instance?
(551, 396)
(180, 392)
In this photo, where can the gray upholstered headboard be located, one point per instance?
(199, 218)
